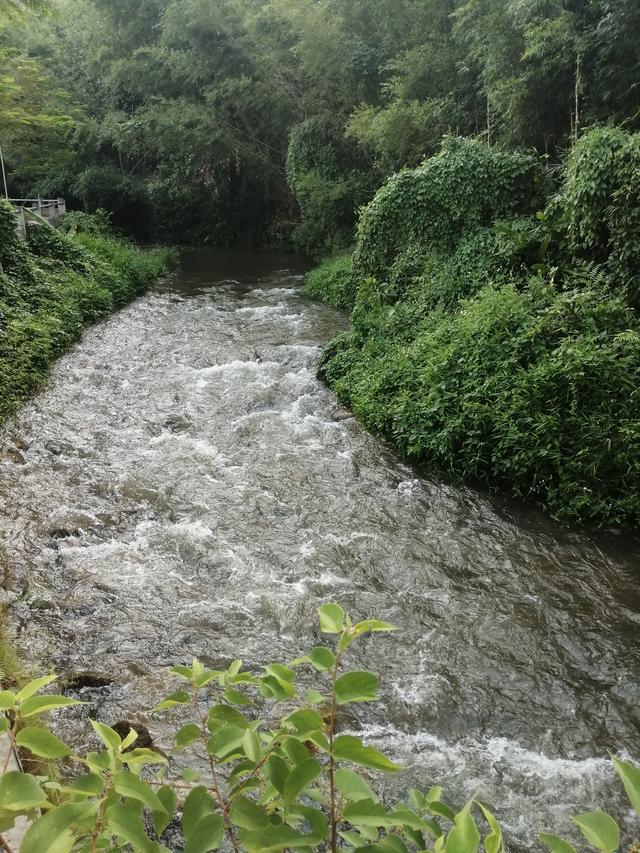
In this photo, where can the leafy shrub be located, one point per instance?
(334, 281)
(51, 288)
(507, 390)
(598, 208)
(498, 348)
(329, 181)
(285, 781)
(465, 186)
(96, 223)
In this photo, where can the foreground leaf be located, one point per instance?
(207, 835)
(40, 704)
(556, 844)
(52, 833)
(20, 792)
(630, 776)
(356, 687)
(348, 748)
(331, 618)
(42, 743)
(600, 830)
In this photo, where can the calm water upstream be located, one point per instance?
(183, 486)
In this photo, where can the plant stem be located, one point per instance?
(222, 803)
(332, 786)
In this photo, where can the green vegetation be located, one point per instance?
(55, 285)
(498, 347)
(259, 121)
(482, 156)
(286, 780)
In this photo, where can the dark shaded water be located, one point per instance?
(183, 487)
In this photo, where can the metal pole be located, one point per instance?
(4, 174)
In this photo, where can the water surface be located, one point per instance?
(184, 485)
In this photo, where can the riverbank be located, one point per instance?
(53, 287)
(494, 324)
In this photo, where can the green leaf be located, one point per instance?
(235, 697)
(90, 785)
(305, 721)
(272, 687)
(32, 687)
(295, 751)
(557, 845)
(140, 757)
(349, 748)
(316, 819)
(186, 735)
(161, 820)
(234, 667)
(352, 786)
(314, 697)
(251, 745)
(356, 687)
(248, 815)
(40, 704)
(331, 618)
(20, 792)
(276, 771)
(98, 762)
(600, 830)
(126, 823)
(630, 776)
(110, 738)
(353, 838)
(197, 806)
(442, 809)
(283, 673)
(299, 777)
(42, 743)
(220, 715)
(129, 785)
(206, 677)
(322, 658)
(464, 837)
(493, 842)
(180, 697)
(272, 837)
(207, 835)
(371, 626)
(226, 741)
(130, 739)
(51, 833)
(368, 813)
(7, 700)
(184, 672)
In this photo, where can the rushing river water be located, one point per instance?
(183, 486)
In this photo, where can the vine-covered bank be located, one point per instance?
(55, 285)
(494, 322)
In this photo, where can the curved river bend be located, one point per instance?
(183, 486)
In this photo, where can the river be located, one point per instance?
(184, 485)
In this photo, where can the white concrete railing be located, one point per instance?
(50, 209)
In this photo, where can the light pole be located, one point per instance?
(4, 174)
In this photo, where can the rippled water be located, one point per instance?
(185, 485)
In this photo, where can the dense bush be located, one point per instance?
(329, 182)
(334, 281)
(275, 779)
(498, 348)
(597, 211)
(465, 186)
(51, 288)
